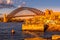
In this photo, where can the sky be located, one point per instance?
(39, 4)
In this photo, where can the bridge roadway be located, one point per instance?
(23, 16)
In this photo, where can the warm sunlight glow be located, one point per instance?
(8, 1)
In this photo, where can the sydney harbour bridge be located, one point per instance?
(14, 12)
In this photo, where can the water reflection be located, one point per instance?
(28, 35)
(5, 32)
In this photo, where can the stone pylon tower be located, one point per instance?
(5, 18)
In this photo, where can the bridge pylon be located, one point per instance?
(5, 18)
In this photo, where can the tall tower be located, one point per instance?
(5, 18)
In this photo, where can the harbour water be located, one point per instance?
(5, 32)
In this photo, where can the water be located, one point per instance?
(5, 32)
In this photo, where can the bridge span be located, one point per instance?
(14, 12)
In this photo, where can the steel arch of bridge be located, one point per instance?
(34, 10)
